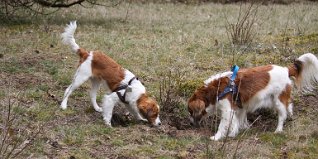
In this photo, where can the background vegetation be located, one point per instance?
(172, 47)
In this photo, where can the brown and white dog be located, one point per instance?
(122, 86)
(259, 87)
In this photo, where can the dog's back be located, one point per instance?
(259, 85)
(105, 68)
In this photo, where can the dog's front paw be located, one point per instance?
(63, 105)
(245, 125)
(108, 124)
(214, 138)
(107, 121)
(98, 109)
(277, 131)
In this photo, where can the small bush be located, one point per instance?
(242, 31)
(170, 83)
(187, 88)
(14, 136)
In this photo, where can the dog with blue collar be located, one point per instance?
(239, 91)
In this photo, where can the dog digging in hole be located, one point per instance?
(267, 86)
(122, 86)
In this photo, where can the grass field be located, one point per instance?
(172, 48)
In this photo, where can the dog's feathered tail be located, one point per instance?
(68, 36)
(305, 71)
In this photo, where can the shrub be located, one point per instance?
(14, 137)
(242, 31)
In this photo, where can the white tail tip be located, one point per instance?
(68, 36)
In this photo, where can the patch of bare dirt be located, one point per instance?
(20, 80)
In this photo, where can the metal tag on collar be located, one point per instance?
(128, 89)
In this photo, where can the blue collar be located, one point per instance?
(231, 86)
(234, 69)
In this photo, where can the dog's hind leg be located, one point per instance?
(290, 110)
(283, 107)
(82, 74)
(95, 87)
(282, 115)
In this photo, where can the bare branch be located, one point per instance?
(93, 2)
(56, 4)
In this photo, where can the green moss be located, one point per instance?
(12, 66)
(187, 88)
(146, 149)
(183, 109)
(303, 39)
(19, 110)
(118, 142)
(79, 93)
(67, 112)
(101, 130)
(314, 50)
(314, 135)
(2, 93)
(165, 157)
(308, 150)
(274, 139)
(78, 134)
(313, 147)
(193, 47)
(43, 116)
(170, 143)
(50, 67)
(89, 110)
(73, 138)
(63, 79)
(296, 99)
(37, 146)
(44, 87)
(100, 97)
(35, 94)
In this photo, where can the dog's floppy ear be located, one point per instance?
(145, 110)
(196, 108)
(195, 104)
(149, 112)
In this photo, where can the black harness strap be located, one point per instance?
(125, 86)
(232, 88)
(122, 97)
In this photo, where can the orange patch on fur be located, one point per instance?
(105, 68)
(197, 104)
(199, 99)
(284, 97)
(148, 107)
(252, 80)
(83, 55)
